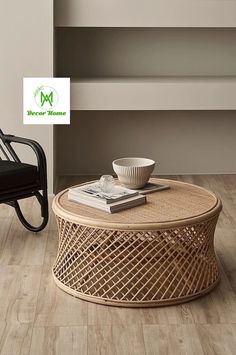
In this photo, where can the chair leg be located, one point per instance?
(44, 213)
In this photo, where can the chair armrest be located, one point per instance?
(35, 146)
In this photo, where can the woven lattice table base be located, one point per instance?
(136, 268)
(156, 254)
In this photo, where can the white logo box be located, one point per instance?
(46, 101)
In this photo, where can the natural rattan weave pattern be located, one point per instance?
(150, 266)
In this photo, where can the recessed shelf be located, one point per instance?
(105, 52)
(149, 13)
(160, 93)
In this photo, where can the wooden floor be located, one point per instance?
(38, 318)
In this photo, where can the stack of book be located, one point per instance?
(119, 199)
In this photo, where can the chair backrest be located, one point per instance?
(3, 150)
(6, 150)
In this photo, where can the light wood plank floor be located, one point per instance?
(37, 318)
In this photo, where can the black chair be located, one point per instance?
(19, 180)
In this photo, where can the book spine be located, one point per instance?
(94, 205)
(125, 207)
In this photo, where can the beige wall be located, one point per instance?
(26, 46)
(181, 142)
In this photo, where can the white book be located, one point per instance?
(111, 207)
(92, 192)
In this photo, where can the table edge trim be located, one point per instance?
(74, 218)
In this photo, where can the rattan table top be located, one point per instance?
(182, 204)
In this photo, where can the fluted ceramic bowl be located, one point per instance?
(133, 173)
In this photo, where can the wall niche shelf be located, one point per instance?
(148, 13)
(158, 72)
(148, 68)
(163, 93)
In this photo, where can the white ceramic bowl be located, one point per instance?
(133, 173)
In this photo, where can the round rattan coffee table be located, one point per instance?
(157, 254)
